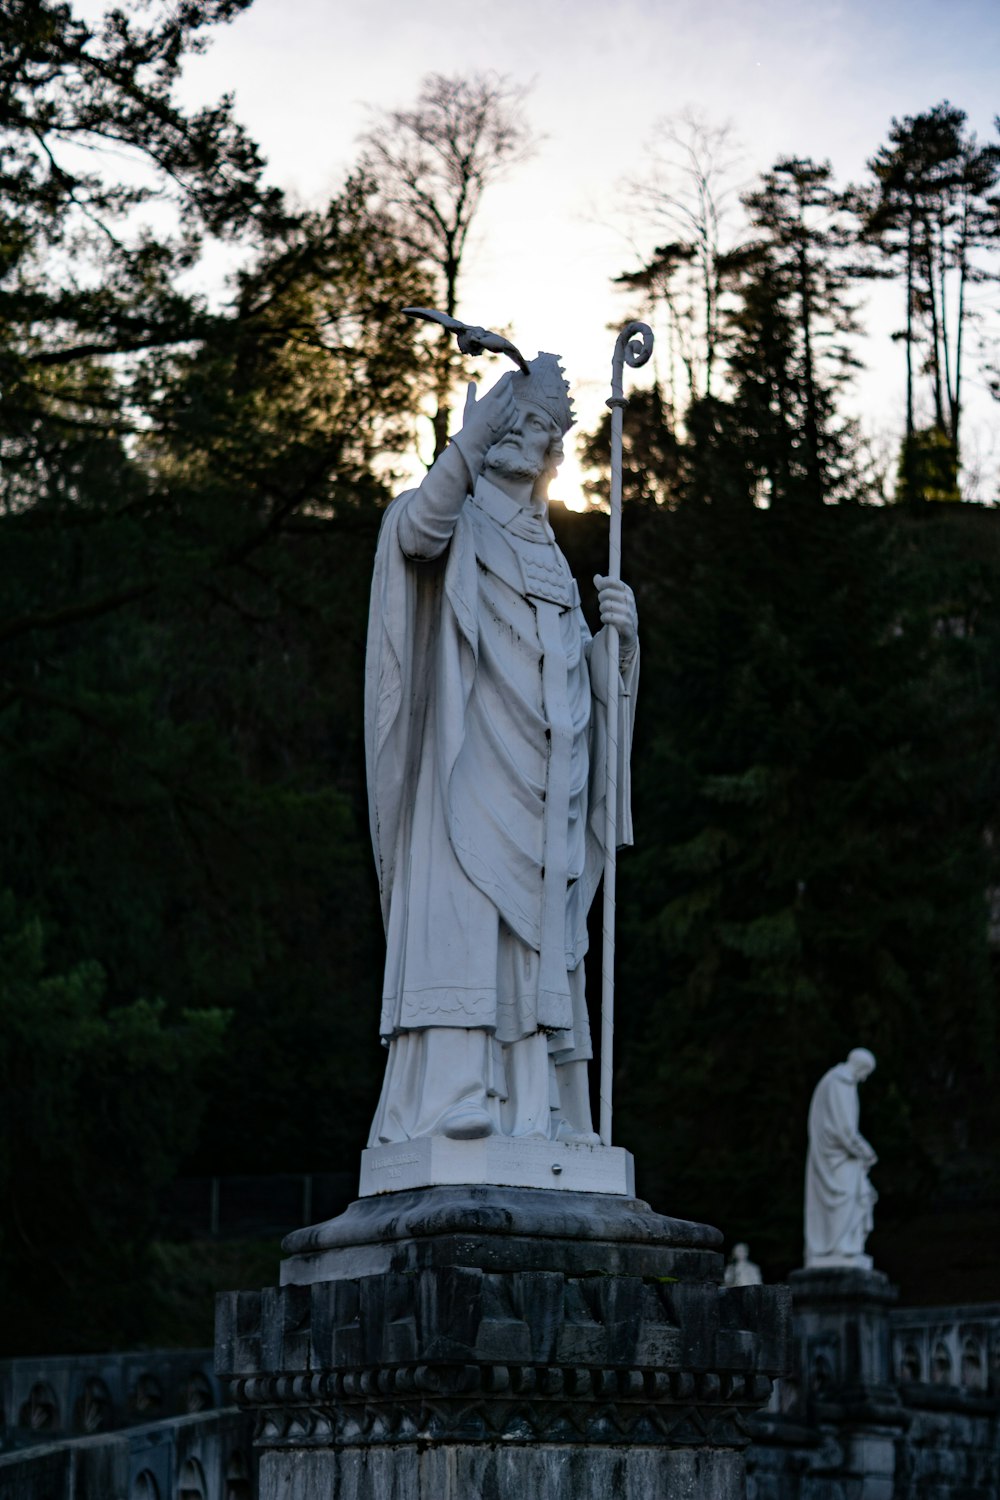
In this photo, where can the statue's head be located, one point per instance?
(861, 1063)
(547, 390)
(534, 448)
(741, 1251)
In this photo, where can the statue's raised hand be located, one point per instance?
(486, 421)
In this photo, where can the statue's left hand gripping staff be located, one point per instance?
(472, 340)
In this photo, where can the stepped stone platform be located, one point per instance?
(482, 1341)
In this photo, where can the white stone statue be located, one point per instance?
(741, 1270)
(839, 1197)
(484, 739)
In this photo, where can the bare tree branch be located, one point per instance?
(432, 164)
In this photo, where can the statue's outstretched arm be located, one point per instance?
(434, 507)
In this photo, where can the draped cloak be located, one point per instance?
(485, 759)
(839, 1197)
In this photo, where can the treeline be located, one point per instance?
(758, 304)
(815, 784)
(190, 946)
(817, 772)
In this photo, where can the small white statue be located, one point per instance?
(485, 734)
(839, 1197)
(741, 1270)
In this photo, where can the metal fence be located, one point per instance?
(238, 1207)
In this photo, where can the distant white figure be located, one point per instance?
(839, 1197)
(741, 1270)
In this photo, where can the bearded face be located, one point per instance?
(509, 459)
(524, 452)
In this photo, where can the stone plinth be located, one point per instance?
(488, 1342)
(435, 1161)
(502, 1229)
(842, 1327)
(842, 1337)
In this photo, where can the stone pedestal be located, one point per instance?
(499, 1160)
(842, 1366)
(842, 1334)
(487, 1343)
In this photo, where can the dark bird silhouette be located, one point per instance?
(472, 340)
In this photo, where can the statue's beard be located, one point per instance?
(507, 459)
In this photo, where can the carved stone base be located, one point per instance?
(490, 1342)
(841, 1263)
(841, 1354)
(496, 1472)
(855, 1366)
(510, 1162)
(511, 1229)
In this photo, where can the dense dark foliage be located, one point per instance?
(815, 781)
(188, 511)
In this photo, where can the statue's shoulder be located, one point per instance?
(399, 502)
(391, 514)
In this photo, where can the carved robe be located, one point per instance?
(485, 768)
(839, 1197)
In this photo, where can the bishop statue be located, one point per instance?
(485, 730)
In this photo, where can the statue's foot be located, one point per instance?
(571, 1137)
(466, 1122)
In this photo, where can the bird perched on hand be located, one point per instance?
(471, 339)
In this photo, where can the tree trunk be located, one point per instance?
(708, 272)
(932, 297)
(908, 484)
(442, 415)
(810, 424)
(942, 275)
(963, 278)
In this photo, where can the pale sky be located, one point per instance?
(819, 79)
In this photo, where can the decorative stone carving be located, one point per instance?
(198, 1392)
(191, 1483)
(947, 1349)
(484, 739)
(841, 1357)
(562, 1326)
(514, 1229)
(430, 1349)
(40, 1413)
(146, 1397)
(839, 1199)
(94, 1410)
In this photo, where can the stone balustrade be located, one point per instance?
(946, 1348)
(41, 1398)
(824, 1432)
(205, 1456)
(880, 1402)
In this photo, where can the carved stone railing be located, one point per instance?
(935, 1350)
(64, 1395)
(880, 1401)
(206, 1456)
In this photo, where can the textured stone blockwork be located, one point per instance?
(599, 1358)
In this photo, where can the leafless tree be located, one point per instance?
(690, 193)
(432, 163)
